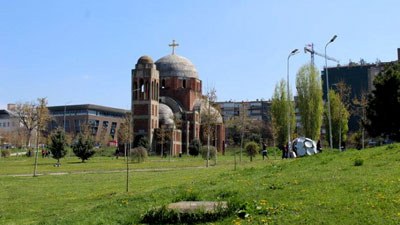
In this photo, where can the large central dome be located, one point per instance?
(176, 66)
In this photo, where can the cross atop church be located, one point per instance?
(173, 45)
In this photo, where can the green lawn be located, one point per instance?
(321, 189)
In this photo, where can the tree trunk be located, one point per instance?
(234, 155)
(251, 158)
(36, 155)
(241, 147)
(127, 171)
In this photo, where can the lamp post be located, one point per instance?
(288, 98)
(327, 92)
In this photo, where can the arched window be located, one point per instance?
(157, 90)
(184, 83)
(141, 91)
(163, 84)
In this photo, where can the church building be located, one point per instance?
(167, 105)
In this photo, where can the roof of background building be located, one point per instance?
(87, 107)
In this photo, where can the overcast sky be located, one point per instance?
(80, 52)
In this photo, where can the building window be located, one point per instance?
(113, 127)
(184, 83)
(105, 124)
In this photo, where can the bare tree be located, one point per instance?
(27, 116)
(209, 118)
(163, 136)
(42, 118)
(242, 124)
(125, 134)
(360, 110)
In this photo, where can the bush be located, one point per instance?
(5, 153)
(252, 149)
(141, 141)
(213, 152)
(358, 162)
(139, 154)
(194, 147)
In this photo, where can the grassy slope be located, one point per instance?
(322, 189)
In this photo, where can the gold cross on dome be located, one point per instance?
(173, 45)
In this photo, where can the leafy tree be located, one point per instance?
(144, 142)
(279, 113)
(384, 104)
(83, 147)
(141, 141)
(58, 145)
(252, 149)
(310, 103)
(339, 119)
(195, 147)
(344, 95)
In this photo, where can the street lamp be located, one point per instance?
(288, 97)
(327, 92)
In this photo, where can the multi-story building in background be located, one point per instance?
(8, 120)
(258, 109)
(358, 76)
(102, 121)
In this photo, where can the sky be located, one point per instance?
(81, 52)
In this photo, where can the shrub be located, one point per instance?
(141, 141)
(5, 153)
(194, 147)
(213, 152)
(139, 154)
(83, 147)
(252, 149)
(358, 162)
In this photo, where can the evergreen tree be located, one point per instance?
(194, 147)
(384, 104)
(58, 145)
(310, 104)
(83, 147)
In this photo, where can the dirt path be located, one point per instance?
(103, 171)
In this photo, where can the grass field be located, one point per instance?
(322, 189)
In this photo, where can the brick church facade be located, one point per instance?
(167, 105)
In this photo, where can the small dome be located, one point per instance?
(176, 66)
(166, 116)
(145, 60)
